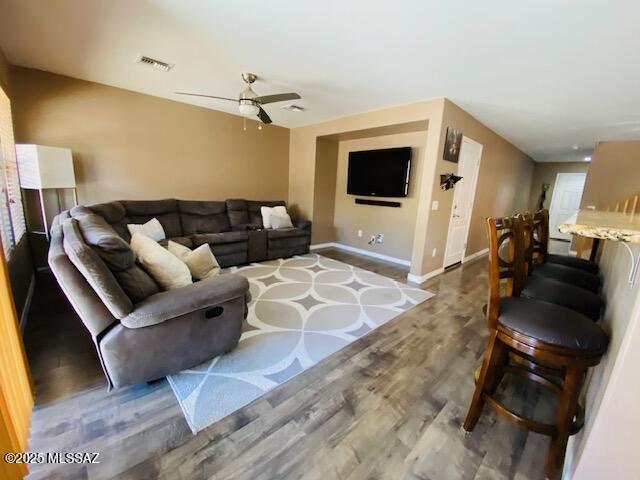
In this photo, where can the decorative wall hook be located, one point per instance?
(448, 180)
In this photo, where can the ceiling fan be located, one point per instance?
(249, 102)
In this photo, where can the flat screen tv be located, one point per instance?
(379, 173)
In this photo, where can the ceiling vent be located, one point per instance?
(293, 108)
(152, 62)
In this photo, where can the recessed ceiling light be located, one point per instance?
(587, 159)
(575, 147)
(293, 108)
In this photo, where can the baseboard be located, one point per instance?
(362, 251)
(27, 303)
(473, 256)
(319, 246)
(423, 278)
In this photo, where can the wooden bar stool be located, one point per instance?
(541, 219)
(562, 273)
(536, 332)
(551, 290)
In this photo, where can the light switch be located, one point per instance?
(434, 205)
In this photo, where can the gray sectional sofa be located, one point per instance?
(142, 333)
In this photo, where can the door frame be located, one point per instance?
(473, 201)
(554, 196)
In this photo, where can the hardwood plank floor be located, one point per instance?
(389, 405)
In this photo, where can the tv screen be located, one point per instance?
(379, 173)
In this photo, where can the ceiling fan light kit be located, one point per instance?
(249, 103)
(246, 107)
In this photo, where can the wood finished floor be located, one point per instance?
(388, 406)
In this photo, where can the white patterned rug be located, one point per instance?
(303, 309)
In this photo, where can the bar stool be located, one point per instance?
(562, 273)
(535, 331)
(541, 218)
(551, 290)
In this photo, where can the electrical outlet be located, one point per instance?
(360, 233)
(433, 253)
(434, 205)
(380, 238)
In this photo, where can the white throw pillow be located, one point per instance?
(152, 229)
(201, 262)
(281, 221)
(166, 269)
(268, 211)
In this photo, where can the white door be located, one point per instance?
(565, 201)
(463, 195)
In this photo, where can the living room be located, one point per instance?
(240, 247)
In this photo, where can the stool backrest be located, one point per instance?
(531, 244)
(541, 234)
(506, 261)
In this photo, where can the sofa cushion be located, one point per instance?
(111, 247)
(237, 211)
(186, 241)
(201, 261)
(219, 238)
(113, 212)
(152, 229)
(287, 233)
(203, 217)
(166, 211)
(253, 206)
(281, 221)
(94, 270)
(137, 283)
(165, 268)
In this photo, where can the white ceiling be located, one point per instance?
(545, 74)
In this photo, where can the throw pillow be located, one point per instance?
(281, 221)
(201, 261)
(267, 212)
(152, 229)
(168, 271)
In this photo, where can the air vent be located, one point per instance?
(152, 62)
(293, 108)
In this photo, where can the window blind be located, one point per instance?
(12, 212)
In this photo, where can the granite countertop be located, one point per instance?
(604, 225)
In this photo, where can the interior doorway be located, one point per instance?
(565, 201)
(463, 197)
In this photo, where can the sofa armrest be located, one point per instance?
(173, 303)
(302, 224)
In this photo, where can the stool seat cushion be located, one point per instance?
(552, 324)
(574, 262)
(554, 291)
(572, 276)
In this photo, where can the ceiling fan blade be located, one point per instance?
(262, 115)
(207, 96)
(278, 97)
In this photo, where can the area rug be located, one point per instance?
(303, 309)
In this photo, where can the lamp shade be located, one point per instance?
(45, 167)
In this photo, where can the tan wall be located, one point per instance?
(503, 186)
(324, 195)
(614, 173)
(613, 390)
(397, 224)
(504, 182)
(303, 160)
(546, 172)
(135, 146)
